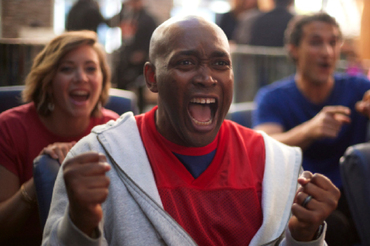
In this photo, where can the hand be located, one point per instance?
(87, 188)
(328, 122)
(58, 150)
(363, 106)
(305, 221)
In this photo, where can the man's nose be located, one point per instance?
(328, 49)
(205, 76)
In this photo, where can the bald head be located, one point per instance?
(190, 63)
(165, 37)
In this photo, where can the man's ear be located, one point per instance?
(150, 78)
(293, 51)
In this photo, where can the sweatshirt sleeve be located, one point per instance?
(59, 229)
(289, 240)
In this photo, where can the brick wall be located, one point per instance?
(24, 13)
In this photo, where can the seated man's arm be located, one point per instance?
(315, 200)
(363, 106)
(326, 124)
(87, 188)
(75, 214)
(297, 136)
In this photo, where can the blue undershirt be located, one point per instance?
(196, 165)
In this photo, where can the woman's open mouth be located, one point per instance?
(202, 110)
(79, 96)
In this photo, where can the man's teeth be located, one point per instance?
(203, 100)
(202, 123)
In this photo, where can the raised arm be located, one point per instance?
(316, 199)
(87, 188)
(326, 124)
(363, 106)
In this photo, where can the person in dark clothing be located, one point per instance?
(269, 28)
(84, 15)
(230, 20)
(137, 26)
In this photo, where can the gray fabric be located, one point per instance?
(133, 212)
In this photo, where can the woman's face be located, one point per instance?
(78, 82)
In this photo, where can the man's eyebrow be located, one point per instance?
(314, 35)
(197, 53)
(220, 54)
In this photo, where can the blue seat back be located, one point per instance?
(241, 113)
(10, 97)
(45, 170)
(120, 101)
(355, 173)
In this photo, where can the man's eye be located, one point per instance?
(185, 62)
(333, 43)
(315, 42)
(222, 63)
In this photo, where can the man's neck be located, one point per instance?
(316, 92)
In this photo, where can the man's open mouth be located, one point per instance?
(324, 65)
(202, 110)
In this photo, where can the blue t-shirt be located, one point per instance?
(282, 103)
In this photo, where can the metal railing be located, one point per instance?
(256, 66)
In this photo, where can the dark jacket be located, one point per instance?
(269, 28)
(84, 15)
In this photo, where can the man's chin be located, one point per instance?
(201, 139)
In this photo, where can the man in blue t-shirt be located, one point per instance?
(315, 109)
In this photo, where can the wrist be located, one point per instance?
(319, 232)
(26, 197)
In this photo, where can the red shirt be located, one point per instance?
(223, 205)
(23, 136)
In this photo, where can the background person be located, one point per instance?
(181, 174)
(66, 87)
(137, 26)
(268, 29)
(242, 32)
(321, 112)
(229, 21)
(84, 15)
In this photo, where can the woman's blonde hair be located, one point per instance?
(46, 63)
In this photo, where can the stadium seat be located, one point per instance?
(355, 173)
(241, 113)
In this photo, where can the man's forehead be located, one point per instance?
(186, 33)
(320, 29)
(200, 41)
